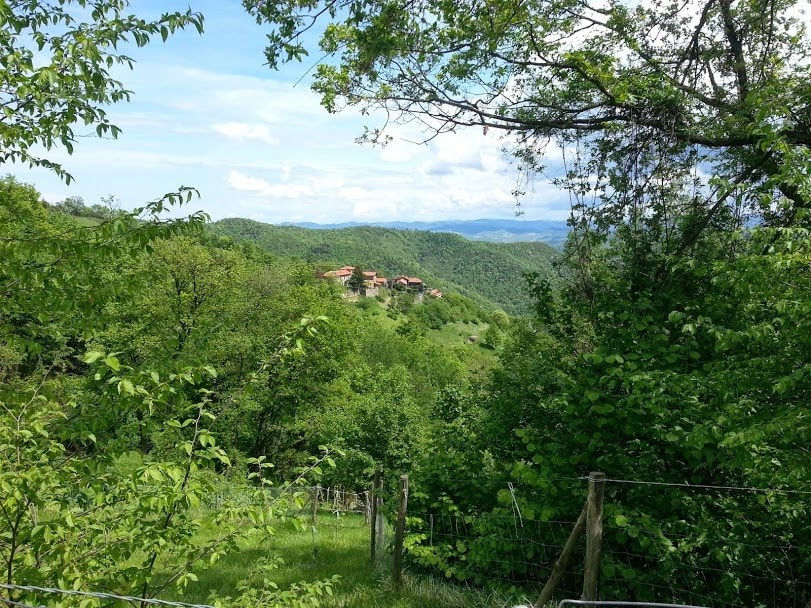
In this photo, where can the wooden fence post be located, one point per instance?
(563, 560)
(399, 533)
(367, 507)
(377, 488)
(316, 491)
(594, 536)
(381, 525)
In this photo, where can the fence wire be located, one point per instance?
(8, 602)
(717, 546)
(34, 591)
(333, 508)
(693, 555)
(338, 501)
(610, 604)
(494, 548)
(714, 546)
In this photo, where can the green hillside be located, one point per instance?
(489, 273)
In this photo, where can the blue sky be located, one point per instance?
(207, 113)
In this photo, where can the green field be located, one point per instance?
(333, 546)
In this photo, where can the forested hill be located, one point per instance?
(490, 273)
(551, 232)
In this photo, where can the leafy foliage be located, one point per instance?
(676, 349)
(141, 357)
(705, 387)
(57, 71)
(619, 87)
(110, 442)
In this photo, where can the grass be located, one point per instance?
(334, 546)
(479, 358)
(458, 333)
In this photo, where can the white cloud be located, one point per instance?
(244, 131)
(470, 149)
(290, 191)
(356, 194)
(234, 97)
(246, 183)
(286, 171)
(399, 151)
(261, 187)
(375, 210)
(258, 146)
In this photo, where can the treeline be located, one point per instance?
(154, 357)
(493, 274)
(688, 384)
(108, 208)
(688, 371)
(142, 359)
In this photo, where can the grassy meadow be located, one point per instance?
(333, 546)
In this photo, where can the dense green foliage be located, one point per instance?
(651, 390)
(190, 357)
(107, 444)
(677, 349)
(57, 70)
(143, 359)
(490, 273)
(75, 512)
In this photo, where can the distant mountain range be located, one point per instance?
(489, 273)
(551, 232)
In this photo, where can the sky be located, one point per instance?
(206, 112)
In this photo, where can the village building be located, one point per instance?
(372, 282)
(341, 275)
(411, 283)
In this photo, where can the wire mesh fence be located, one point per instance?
(32, 596)
(676, 544)
(326, 506)
(339, 501)
(618, 604)
(495, 550)
(662, 544)
(737, 556)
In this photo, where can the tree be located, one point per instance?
(674, 349)
(57, 70)
(70, 519)
(356, 281)
(494, 336)
(638, 96)
(57, 74)
(72, 205)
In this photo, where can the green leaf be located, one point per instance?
(126, 386)
(93, 356)
(113, 363)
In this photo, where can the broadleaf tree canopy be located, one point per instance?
(57, 67)
(715, 87)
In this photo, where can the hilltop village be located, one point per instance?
(368, 283)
